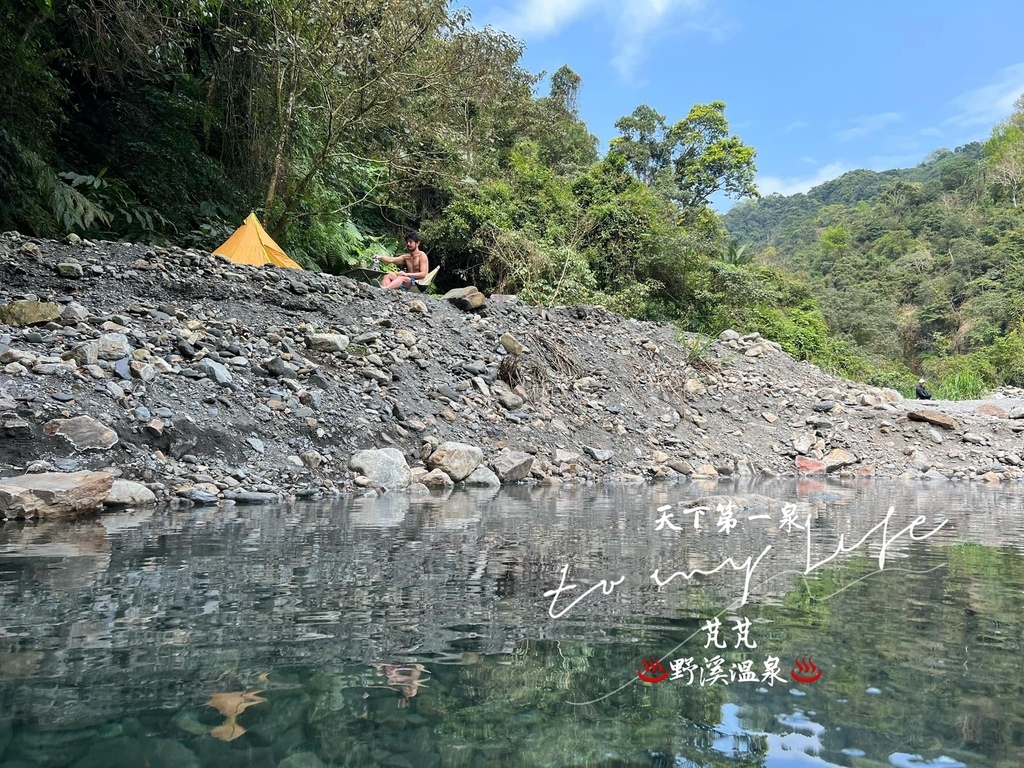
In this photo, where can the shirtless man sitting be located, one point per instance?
(415, 262)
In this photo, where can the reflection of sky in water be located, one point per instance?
(798, 747)
(801, 746)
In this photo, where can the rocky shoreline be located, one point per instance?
(183, 377)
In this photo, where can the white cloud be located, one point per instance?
(542, 17)
(795, 125)
(771, 185)
(862, 126)
(990, 103)
(634, 26)
(931, 132)
(638, 22)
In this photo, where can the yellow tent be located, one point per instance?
(250, 244)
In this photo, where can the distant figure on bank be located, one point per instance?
(922, 391)
(415, 262)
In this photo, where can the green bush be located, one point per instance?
(1006, 355)
(960, 377)
(892, 376)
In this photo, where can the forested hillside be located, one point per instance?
(918, 270)
(344, 123)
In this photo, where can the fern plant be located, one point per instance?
(124, 216)
(71, 209)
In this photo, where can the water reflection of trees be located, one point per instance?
(184, 596)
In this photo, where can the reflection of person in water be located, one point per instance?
(404, 678)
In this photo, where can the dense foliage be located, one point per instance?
(919, 271)
(343, 123)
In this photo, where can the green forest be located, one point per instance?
(343, 124)
(916, 271)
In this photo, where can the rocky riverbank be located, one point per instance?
(186, 377)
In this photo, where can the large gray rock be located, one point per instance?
(385, 467)
(435, 478)
(73, 312)
(86, 353)
(83, 432)
(113, 346)
(70, 269)
(933, 417)
(327, 342)
(512, 466)
(281, 368)
(215, 371)
(482, 477)
(838, 458)
(53, 494)
(511, 344)
(126, 493)
(24, 313)
(599, 454)
(467, 299)
(457, 460)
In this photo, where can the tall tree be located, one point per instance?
(1005, 155)
(689, 161)
(645, 143)
(565, 89)
(706, 159)
(554, 123)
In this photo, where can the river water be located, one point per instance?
(847, 625)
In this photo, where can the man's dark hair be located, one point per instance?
(413, 235)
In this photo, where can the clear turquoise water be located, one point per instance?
(416, 632)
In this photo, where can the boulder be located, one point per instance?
(24, 313)
(86, 353)
(113, 346)
(327, 342)
(806, 466)
(73, 312)
(803, 442)
(83, 432)
(385, 466)
(511, 401)
(511, 345)
(435, 478)
(53, 494)
(987, 409)
(839, 458)
(705, 472)
(457, 460)
(695, 388)
(599, 454)
(215, 371)
(512, 466)
(125, 493)
(933, 417)
(482, 477)
(71, 269)
(467, 299)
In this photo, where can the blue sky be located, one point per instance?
(818, 88)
